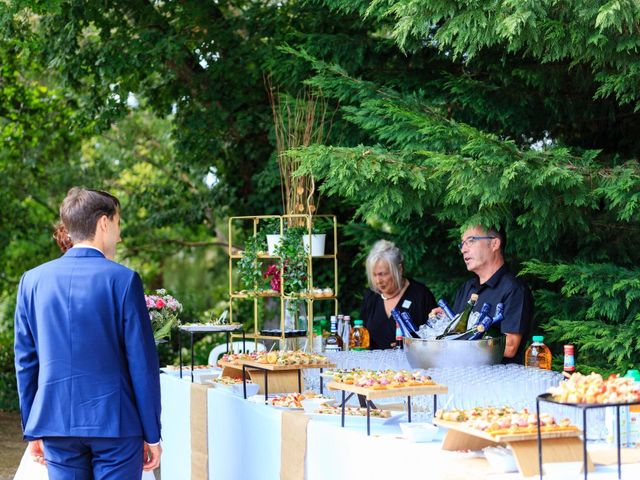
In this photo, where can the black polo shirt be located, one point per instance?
(503, 287)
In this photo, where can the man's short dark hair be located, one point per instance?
(499, 233)
(82, 208)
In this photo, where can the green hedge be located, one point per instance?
(8, 387)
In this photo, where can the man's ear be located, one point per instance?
(102, 224)
(496, 244)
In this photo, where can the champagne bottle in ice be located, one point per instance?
(459, 323)
(480, 323)
(488, 322)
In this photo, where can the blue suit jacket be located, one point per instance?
(85, 356)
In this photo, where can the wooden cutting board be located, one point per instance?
(371, 393)
(507, 437)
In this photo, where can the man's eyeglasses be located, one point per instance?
(471, 240)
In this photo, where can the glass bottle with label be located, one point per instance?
(569, 359)
(334, 341)
(538, 354)
(359, 339)
(459, 323)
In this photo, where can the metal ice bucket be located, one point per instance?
(453, 353)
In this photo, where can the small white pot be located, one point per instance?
(272, 243)
(317, 244)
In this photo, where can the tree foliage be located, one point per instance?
(514, 130)
(442, 113)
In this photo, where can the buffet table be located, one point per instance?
(242, 440)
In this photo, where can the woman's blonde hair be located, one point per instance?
(385, 251)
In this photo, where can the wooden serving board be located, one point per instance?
(508, 437)
(280, 381)
(274, 367)
(370, 393)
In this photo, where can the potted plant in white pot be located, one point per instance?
(319, 228)
(270, 227)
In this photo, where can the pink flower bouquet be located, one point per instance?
(163, 311)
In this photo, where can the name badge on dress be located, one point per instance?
(406, 304)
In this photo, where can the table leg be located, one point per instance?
(409, 408)
(180, 351)
(584, 443)
(266, 387)
(244, 381)
(321, 383)
(227, 342)
(299, 381)
(435, 405)
(368, 419)
(244, 346)
(539, 437)
(344, 401)
(618, 440)
(191, 357)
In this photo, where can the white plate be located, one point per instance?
(210, 328)
(186, 370)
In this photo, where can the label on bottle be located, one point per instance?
(332, 347)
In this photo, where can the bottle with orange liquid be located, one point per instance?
(359, 338)
(538, 354)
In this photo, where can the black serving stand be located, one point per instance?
(193, 329)
(370, 394)
(547, 398)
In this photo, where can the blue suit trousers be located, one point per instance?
(94, 458)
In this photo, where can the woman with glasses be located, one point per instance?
(389, 289)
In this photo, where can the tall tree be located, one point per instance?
(531, 124)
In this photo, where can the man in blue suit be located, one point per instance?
(86, 361)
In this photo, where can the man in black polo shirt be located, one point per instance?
(483, 253)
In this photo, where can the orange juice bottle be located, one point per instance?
(538, 354)
(359, 338)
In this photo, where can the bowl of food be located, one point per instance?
(419, 432)
(454, 353)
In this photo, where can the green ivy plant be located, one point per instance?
(249, 266)
(292, 262)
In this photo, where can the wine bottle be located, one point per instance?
(408, 324)
(459, 323)
(446, 309)
(488, 322)
(400, 333)
(480, 323)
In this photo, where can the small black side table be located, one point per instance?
(547, 398)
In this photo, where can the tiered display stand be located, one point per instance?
(283, 377)
(235, 224)
(370, 394)
(566, 444)
(547, 398)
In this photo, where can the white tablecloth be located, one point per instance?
(245, 440)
